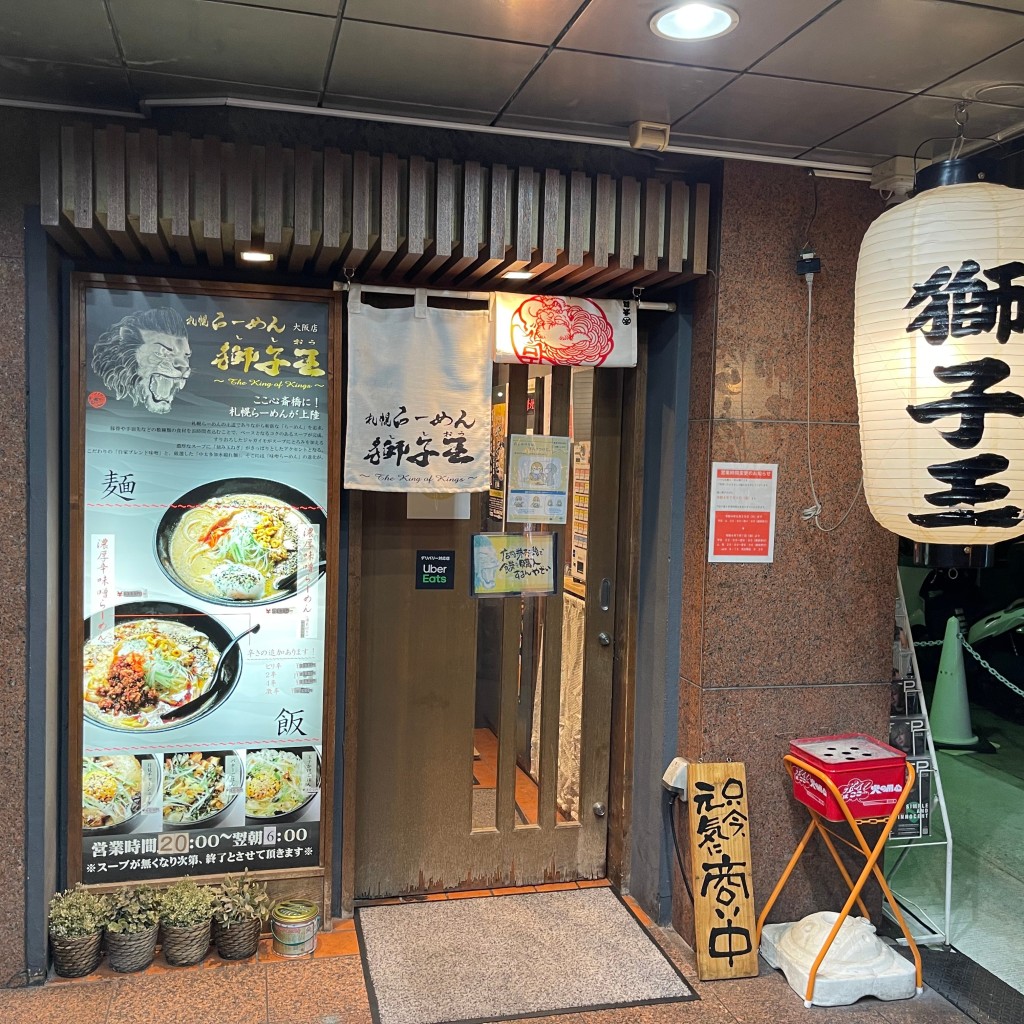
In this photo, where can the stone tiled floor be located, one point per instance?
(328, 988)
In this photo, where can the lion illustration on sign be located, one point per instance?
(561, 331)
(145, 357)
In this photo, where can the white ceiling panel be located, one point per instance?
(329, 8)
(77, 31)
(45, 81)
(845, 156)
(901, 130)
(153, 85)
(1001, 77)
(623, 27)
(517, 21)
(421, 111)
(757, 108)
(705, 142)
(398, 65)
(1004, 5)
(586, 87)
(907, 45)
(814, 78)
(224, 41)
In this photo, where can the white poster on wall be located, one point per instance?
(419, 399)
(742, 513)
(557, 330)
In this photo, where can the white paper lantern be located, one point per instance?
(939, 361)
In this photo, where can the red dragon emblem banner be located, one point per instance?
(563, 331)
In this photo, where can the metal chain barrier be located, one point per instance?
(978, 658)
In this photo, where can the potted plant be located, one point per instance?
(241, 907)
(186, 915)
(132, 925)
(77, 917)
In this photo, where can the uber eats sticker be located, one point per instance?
(435, 570)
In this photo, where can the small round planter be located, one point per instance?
(238, 940)
(77, 956)
(185, 946)
(131, 951)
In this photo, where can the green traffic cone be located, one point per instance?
(950, 713)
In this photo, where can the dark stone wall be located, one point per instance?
(19, 172)
(801, 646)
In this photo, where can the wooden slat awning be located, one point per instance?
(145, 197)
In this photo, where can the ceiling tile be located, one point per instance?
(594, 89)
(706, 142)
(47, 82)
(844, 156)
(908, 45)
(69, 30)
(611, 26)
(324, 7)
(151, 85)
(382, 62)
(1006, 69)
(518, 21)
(757, 108)
(1005, 5)
(374, 107)
(223, 41)
(900, 131)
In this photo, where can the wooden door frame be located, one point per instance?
(623, 672)
(627, 607)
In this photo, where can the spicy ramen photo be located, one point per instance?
(242, 541)
(157, 657)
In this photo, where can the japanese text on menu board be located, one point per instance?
(205, 527)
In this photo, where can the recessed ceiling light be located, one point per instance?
(999, 92)
(696, 20)
(257, 256)
(518, 275)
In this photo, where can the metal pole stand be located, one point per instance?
(872, 854)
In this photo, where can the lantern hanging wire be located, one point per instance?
(961, 116)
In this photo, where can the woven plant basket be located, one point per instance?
(183, 947)
(239, 940)
(131, 951)
(76, 957)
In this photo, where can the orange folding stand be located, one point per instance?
(862, 846)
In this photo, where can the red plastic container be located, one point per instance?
(867, 772)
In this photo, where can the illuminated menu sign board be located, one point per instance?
(204, 528)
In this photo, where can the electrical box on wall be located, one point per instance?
(674, 779)
(649, 135)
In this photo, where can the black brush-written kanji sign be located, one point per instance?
(723, 888)
(435, 570)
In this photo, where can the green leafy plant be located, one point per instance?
(132, 910)
(185, 903)
(77, 912)
(241, 898)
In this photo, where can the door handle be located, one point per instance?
(605, 595)
(603, 639)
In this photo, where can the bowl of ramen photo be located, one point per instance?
(157, 657)
(280, 782)
(113, 792)
(199, 787)
(240, 541)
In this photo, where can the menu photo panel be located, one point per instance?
(204, 526)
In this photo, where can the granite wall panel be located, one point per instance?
(799, 646)
(18, 173)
